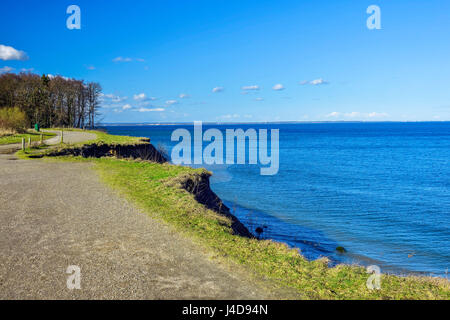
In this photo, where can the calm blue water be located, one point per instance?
(380, 190)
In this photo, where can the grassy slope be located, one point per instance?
(153, 188)
(17, 138)
(103, 137)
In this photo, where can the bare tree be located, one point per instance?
(51, 101)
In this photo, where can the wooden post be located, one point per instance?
(62, 136)
(42, 139)
(23, 143)
(29, 142)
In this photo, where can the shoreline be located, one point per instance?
(315, 249)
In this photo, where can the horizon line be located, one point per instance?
(264, 122)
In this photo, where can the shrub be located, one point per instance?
(13, 120)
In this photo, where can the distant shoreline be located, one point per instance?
(257, 123)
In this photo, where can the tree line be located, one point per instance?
(51, 101)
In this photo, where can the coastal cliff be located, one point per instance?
(198, 185)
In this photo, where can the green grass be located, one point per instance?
(105, 138)
(155, 189)
(17, 138)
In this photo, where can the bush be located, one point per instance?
(13, 120)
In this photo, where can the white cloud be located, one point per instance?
(140, 97)
(115, 98)
(217, 89)
(184, 96)
(27, 70)
(6, 69)
(278, 87)
(315, 82)
(143, 99)
(109, 99)
(259, 99)
(9, 53)
(171, 102)
(356, 115)
(91, 68)
(126, 59)
(254, 87)
(150, 110)
(333, 114)
(378, 115)
(353, 114)
(121, 59)
(126, 107)
(52, 76)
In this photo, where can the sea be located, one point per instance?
(380, 190)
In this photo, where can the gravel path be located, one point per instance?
(56, 214)
(69, 137)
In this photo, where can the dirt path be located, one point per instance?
(69, 137)
(56, 214)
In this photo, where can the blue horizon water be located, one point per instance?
(380, 190)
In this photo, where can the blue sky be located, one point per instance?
(174, 53)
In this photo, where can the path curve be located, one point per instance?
(56, 214)
(70, 137)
